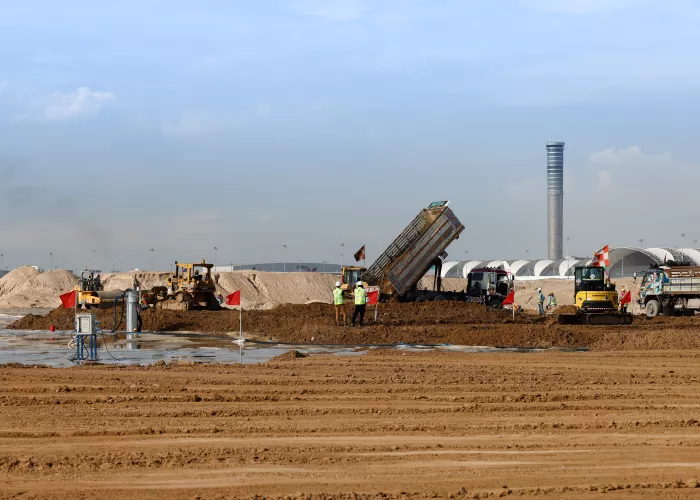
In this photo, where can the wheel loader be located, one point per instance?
(596, 300)
(190, 288)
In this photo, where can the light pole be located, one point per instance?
(568, 258)
(324, 267)
(50, 261)
(284, 264)
(2, 261)
(341, 254)
(153, 260)
(215, 249)
(641, 243)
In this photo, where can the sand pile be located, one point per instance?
(122, 281)
(25, 287)
(264, 290)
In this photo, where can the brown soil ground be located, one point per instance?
(423, 323)
(386, 425)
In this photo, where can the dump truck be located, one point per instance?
(670, 290)
(419, 247)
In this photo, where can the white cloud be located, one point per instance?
(616, 166)
(82, 103)
(188, 125)
(334, 10)
(581, 6)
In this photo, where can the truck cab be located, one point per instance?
(490, 284)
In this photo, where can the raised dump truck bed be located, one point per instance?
(420, 245)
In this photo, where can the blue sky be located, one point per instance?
(246, 125)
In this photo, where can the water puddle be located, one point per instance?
(55, 348)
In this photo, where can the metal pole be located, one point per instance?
(513, 304)
(240, 321)
(215, 249)
(50, 261)
(284, 264)
(341, 254)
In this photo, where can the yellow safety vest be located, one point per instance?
(360, 296)
(338, 297)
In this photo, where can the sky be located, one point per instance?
(244, 125)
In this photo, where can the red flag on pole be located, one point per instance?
(509, 299)
(234, 299)
(373, 297)
(360, 254)
(68, 300)
(626, 298)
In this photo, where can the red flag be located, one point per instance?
(373, 297)
(68, 300)
(360, 254)
(626, 298)
(234, 299)
(509, 299)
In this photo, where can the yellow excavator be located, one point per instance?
(596, 300)
(190, 288)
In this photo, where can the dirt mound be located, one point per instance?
(289, 356)
(25, 287)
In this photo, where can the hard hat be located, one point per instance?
(539, 289)
(337, 283)
(359, 283)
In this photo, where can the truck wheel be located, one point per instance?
(652, 308)
(439, 298)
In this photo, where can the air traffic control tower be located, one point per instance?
(555, 200)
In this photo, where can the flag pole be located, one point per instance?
(240, 321)
(513, 305)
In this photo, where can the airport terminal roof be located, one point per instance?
(624, 261)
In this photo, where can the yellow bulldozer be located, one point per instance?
(190, 288)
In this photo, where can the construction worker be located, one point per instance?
(540, 302)
(339, 302)
(623, 293)
(551, 302)
(360, 303)
(142, 306)
(634, 277)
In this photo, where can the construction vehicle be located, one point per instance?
(190, 288)
(490, 285)
(596, 300)
(350, 275)
(420, 247)
(670, 290)
(90, 293)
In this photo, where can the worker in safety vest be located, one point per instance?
(360, 304)
(339, 302)
(540, 302)
(551, 302)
